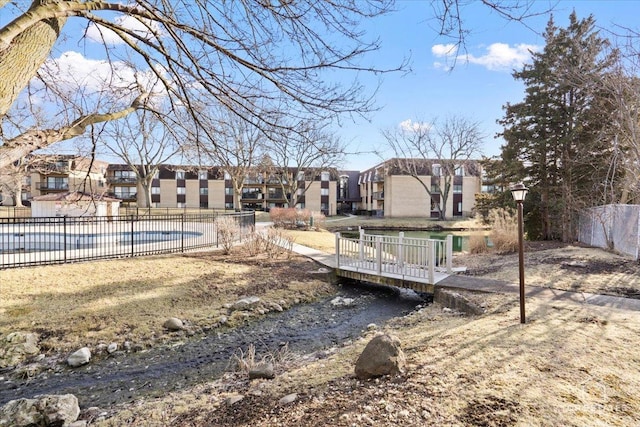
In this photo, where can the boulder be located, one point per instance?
(173, 324)
(80, 357)
(17, 347)
(46, 410)
(262, 370)
(245, 303)
(288, 399)
(381, 356)
(342, 302)
(112, 348)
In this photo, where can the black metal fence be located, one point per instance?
(57, 240)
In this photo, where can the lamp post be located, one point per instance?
(519, 192)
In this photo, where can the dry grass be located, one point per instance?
(570, 365)
(322, 240)
(85, 304)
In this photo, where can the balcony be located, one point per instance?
(276, 195)
(251, 196)
(122, 180)
(53, 186)
(378, 178)
(126, 197)
(378, 195)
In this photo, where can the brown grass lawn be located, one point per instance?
(570, 365)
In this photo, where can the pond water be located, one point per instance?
(460, 241)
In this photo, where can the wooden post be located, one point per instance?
(338, 250)
(449, 251)
(378, 255)
(400, 254)
(361, 245)
(431, 260)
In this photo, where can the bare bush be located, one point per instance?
(293, 218)
(478, 244)
(504, 230)
(318, 221)
(244, 361)
(254, 243)
(228, 232)
(276, 243)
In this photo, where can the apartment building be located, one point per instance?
(176, 186)
(397, 188)
(40, 175)
(387, 189)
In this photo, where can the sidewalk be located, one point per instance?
(480, 284)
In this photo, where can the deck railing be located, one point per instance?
(408, 257)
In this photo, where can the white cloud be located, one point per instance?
(444, 50)
(501, 56)
(497, 57)
(100, 34)
(73, 73)
(411, 126)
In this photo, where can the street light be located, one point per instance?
(519, 192)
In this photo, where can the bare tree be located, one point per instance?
(299, 160)
(419, 145)
(207, 49)
(232, 143)
(143, 142)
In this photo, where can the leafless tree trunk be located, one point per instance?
(418, 145)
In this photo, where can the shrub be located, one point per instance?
(478, 244)
(291, 217)
(504, 230)
(228, 232)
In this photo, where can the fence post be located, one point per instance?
(182, 233)
(338, 250)
(361, 244)
(132, 227)
(431, 260)
(378, 255)
(64, 233)
(449, 250)
(401, 249)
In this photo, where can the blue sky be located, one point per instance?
(476, 89)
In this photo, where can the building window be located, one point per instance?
(181, 190)
(203, 175)
(459, 171)
(204, 191)
(228, 191)
(324, 191)
(125, 192)
(457, 188)
(57, 182)
(325, 176)
(179, 174)
(228, 205)
(155, 190)
(181, 205)
(435, 188)
(436, 170)
(26, 196)
(460, 207)
(300, 176)
(156, 175)
(227, 176)
(324, 206)
(343, 187)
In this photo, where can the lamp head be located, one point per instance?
(519, 192)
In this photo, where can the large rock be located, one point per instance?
(80, 357)
(381, 356)
(17, 347)
(262, 370)
(173, 324)
(245, 303)
(47, 410)
(342, 302)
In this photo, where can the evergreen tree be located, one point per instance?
(553, 137)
